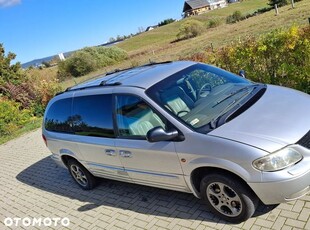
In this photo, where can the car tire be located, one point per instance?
(228, 197)
(81, 175)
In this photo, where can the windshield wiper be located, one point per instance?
(213, 122)
(234, 93)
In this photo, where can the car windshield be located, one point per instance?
(200, 94)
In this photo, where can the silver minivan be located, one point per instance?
(189, 127)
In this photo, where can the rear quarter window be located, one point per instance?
(58, 116)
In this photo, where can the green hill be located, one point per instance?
(158, 44)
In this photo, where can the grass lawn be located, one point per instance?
(157, 44)
(166, 34)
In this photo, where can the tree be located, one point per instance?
(140, 30)
(166, 21)
(46, 64)
(9, 73)
(112, 39)
(278, 2)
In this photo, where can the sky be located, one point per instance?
(35, 29)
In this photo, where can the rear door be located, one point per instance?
(94, 132)
(154, 164)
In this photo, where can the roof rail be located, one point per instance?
(148, 64)
(103, 83)
(107, 83)
(117, 70)
(156, 63)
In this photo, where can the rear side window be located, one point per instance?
(58, 117)
(92, 116)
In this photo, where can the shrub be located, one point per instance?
(46, 64)
(235, 17)
(109, 56)
(43, 84)
(89, 59)
(215, 22)
(11, 117)
(79, 64)
(280, 57)
(45, 90)
(22, 93)
(189, 29)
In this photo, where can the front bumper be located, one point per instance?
(285, 185)
(280, 192)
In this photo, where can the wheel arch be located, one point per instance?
(66, 158)
(198, 174)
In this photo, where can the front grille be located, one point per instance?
(305, 140)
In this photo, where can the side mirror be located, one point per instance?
(159, 134)
(242, 73)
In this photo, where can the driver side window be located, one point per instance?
(135, 117)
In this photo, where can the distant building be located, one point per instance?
(150, 28)
(61, 57)
(195, 7)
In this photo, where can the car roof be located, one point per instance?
(141, 76)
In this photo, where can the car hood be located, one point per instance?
(279, 118)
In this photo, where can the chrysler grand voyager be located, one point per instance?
(189, 127)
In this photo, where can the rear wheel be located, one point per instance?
(81, 175)
(228, 197)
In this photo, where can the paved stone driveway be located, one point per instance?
(31, 186)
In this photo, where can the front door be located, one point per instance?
(153, 164)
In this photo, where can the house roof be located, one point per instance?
(196, 4)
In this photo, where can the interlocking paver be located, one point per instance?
(308, 224)
(279, 222)
(304, 214)
(298, 206)
(295, 223)
(289, 214)
(33, 186)
(264, 223)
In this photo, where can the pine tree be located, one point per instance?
(9, 72)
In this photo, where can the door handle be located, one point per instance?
(110, 152)
(124, 153)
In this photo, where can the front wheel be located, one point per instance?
(228, 197)
(81, 175)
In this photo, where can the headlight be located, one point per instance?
(278, 160)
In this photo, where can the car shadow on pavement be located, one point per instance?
(47, 176)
